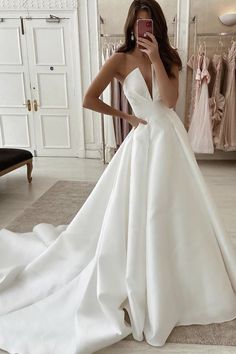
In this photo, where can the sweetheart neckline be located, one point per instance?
(137, 68)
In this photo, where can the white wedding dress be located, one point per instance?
(148, 239)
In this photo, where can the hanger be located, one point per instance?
(201, 44)
(232, 39)
(221, 44)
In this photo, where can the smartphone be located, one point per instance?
(144, 25)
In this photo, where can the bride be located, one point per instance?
(147, 251)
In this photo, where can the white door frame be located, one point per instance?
(182, 40)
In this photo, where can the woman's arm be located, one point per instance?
(108, 71)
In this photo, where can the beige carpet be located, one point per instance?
(60, 204)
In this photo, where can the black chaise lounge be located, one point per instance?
(10, 159)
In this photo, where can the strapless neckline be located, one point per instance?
(151, 96)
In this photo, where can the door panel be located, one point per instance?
(16, 118)
(62, 137)
(52, 90)
(16, 126)
(49, 45)
(51, 73)
(12, 89)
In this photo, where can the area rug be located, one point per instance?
(60, 203)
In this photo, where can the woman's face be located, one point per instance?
(141, 14)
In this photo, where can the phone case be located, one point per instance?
(144, 25)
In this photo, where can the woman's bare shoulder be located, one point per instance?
(115, 59)
(120, 61)
(109, 70)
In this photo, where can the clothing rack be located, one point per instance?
(122, 35)
(211, 34)
(206, 34)
(197, 35)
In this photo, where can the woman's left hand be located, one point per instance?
(152, 47)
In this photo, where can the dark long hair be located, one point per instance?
(168, 54)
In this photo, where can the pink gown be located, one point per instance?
(196, 84)
(227, 132)
(217, 100)
(200, 129)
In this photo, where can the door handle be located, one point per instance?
(28, 104)
(36, 105)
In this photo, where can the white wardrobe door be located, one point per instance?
(16, 116)
(52, 81)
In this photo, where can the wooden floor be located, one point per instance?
(16, 194)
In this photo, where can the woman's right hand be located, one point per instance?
(134, 121)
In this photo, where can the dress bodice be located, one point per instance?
(138, 95)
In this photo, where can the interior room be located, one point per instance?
(55, 151)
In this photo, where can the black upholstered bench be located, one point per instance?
(10, 159)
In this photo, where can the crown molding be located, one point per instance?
(38, 4)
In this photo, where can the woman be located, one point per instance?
(148, 240)
(165, 60)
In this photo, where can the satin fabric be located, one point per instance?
(148, 239)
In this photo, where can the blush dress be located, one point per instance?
(200, 128)
(226, 139)
(217, 100)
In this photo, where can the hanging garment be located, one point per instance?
(194, 63)
(125, 107)
(226, 139)
(200, 128)
(217, 100)
(148, 239)
(109, 131)
(120, 102)
(116, 96)
(116, 103)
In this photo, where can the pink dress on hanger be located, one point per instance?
(197, 82)
(227, 131)
(200, 129)
(217, 100)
